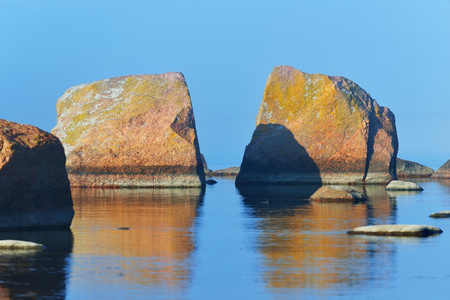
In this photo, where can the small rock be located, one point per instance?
(20, 245)
(337, 194)
(397, 230)
(441, 214)
(398, 185)
(123, 228)
(210, 181)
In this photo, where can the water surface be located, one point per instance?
(264, 242)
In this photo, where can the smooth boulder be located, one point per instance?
(19, 245)
(407, 169)
(34, 186)
(397, 230)
(443, 172)
(314, 128)
(441, 214)
(337, 194)
(399, 185)
(131, 131)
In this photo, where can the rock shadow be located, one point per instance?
(274, 156)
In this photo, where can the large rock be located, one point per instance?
(443, 172)
(406, 169)
(337, 194)
(318, 128)
(132, 131)
(34, 187)
(397, 230)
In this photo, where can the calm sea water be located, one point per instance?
(228, 243)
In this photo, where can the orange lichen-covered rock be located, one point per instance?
(34, 187)
(318, 128)
(131, 131)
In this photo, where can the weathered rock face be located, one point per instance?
(34, 187)
(318, 128)
(406, 169)
(132, 131)
(443, 172)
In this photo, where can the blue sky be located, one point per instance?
(398, 51)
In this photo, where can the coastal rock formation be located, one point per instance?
(34, 187)
(441, 214)
(322, 129)
(397, 230)
(398, 185)
(406, 168)
(443, 172)
(231, 172)
(337, 194)
(131, 131)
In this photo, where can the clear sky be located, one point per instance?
(398, 51)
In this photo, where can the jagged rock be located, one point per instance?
(321, 129)
(406, 168)
(398, 185)
(441, 214)
(397, 230)
(131, 131)
(337, 194)
(232, 171)
(34, 187)
(443, 172)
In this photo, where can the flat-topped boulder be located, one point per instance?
(34, 187)
(407, 169)
(443, 172)
(399, 185)
(337, 194)
(19, 245)
(441, 214)
(397, 230)
(314, 128)
(131, 131)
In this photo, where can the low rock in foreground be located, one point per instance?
(397, 230)
(337, 194)
(443, 172)
(441, 214)
(20, 245)
(131, 131)
(407, 169)
(34, 187)
(398, 185)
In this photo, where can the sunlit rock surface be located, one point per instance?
(34, 187)
(443, 172)
(322, 129)
(397, 230)
(398, 185)
(337, 194)
(136, 131)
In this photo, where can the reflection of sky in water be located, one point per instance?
(230, 243)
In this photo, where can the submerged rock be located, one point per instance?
(337, 194)
(406, 168)
(34, 187)
(398, 185)
(397, 230)
(19, 245)
(313, 128)
(131, 131)
(441, 214)
(443, 172)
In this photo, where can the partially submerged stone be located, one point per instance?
(337, 194)
(441, 214)
(397, 230)
(131, 131)
(19, 245)
(34, 187)
(408, 169)
(313, 128)
(399, 185)
(443, 172)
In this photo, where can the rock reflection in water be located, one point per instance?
(305, 245)
(156, 249)
(36, 274)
